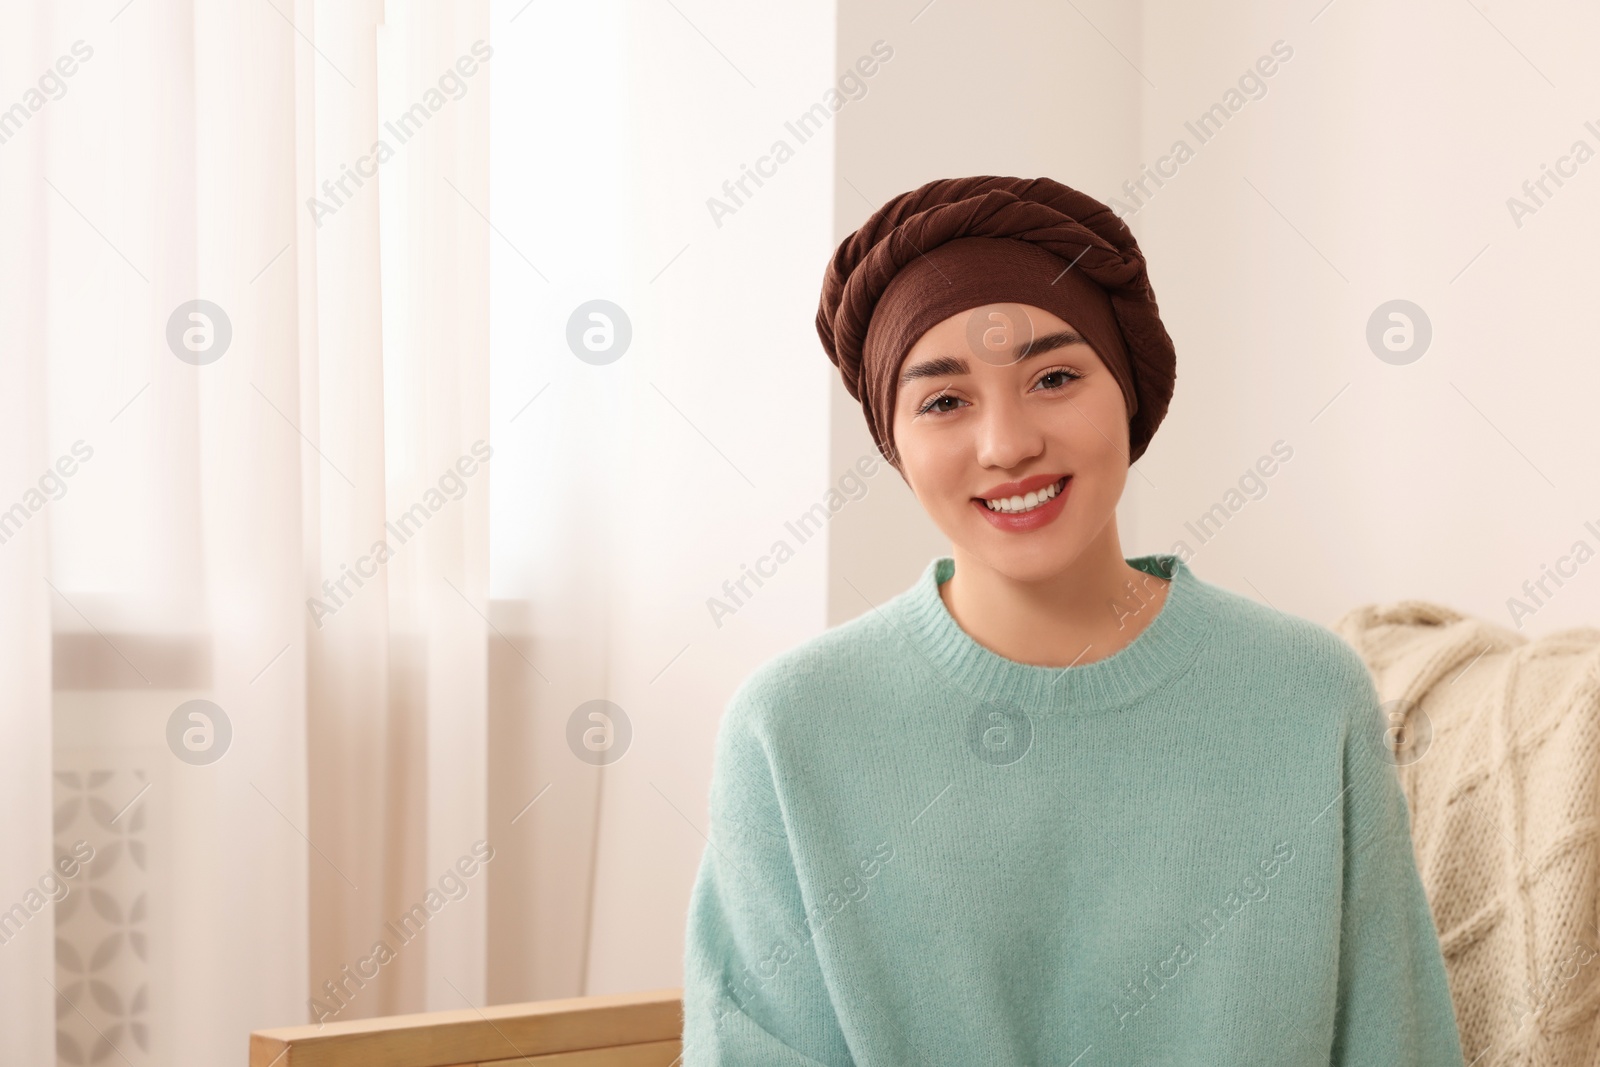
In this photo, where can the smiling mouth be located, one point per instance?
(1021, 505)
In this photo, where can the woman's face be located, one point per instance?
(973, 422)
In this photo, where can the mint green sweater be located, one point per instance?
(1193, 851)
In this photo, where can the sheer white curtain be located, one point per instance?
(202, 520)
(26, 957)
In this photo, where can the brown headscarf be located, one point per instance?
(960, 243)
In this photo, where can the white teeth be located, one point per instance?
(1016, 504)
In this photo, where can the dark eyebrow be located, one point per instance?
(944, 366)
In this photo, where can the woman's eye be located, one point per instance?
(1062, 377)
(934, 404)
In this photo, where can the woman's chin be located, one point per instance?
(1036, 557)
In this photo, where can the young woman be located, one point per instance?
(1050, 805)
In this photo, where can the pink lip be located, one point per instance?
(1028, 520)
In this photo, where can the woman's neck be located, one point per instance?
(1092, 609)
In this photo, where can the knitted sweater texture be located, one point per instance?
(1193, 851)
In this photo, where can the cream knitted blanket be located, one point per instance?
(1497, 742)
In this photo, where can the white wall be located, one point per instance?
(1373, 169)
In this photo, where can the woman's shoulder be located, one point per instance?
(843, 658)
(791, 703)
(1245, 628)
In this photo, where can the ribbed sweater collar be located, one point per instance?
(1163, 649)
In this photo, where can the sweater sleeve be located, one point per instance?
(753, 989)
(1394, 1003)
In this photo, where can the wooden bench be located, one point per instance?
(617, 1030)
